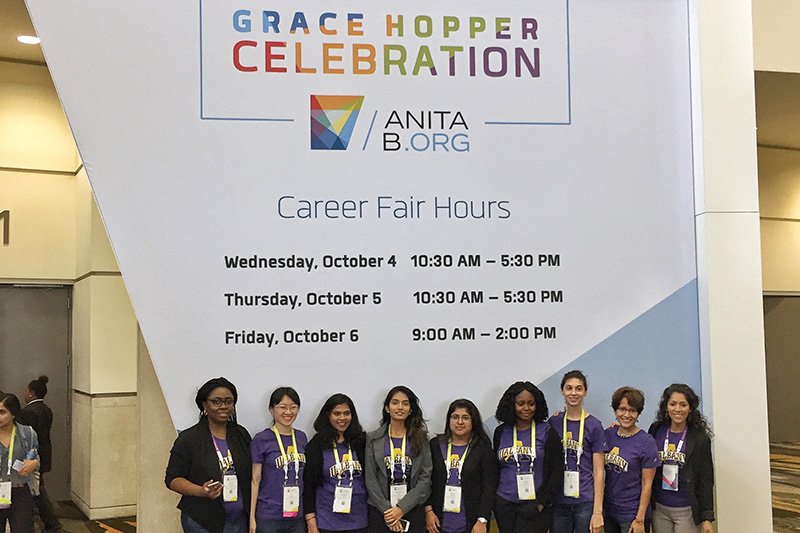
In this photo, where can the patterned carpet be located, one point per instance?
(785, 467)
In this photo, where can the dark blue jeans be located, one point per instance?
(232, 525)
(612, 525)
(572, 518)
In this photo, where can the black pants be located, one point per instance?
(415, 516)
(20, 514)
(523, 517)
(362, 530)
(46, 513)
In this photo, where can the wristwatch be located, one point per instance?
(482, 520)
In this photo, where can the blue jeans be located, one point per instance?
(285, 525)
(612, 525)
(232, 525)
(572, 518)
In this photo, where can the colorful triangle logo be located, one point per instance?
(333, 119)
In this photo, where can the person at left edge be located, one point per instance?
(209, 465)
(464, 476)
(41, 420)
(334, 492)
(279, 458)
(19, 461)
(398, 465)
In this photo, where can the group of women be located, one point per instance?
(563, 473)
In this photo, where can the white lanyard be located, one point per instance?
(580, 437)
(225, 463)
(680, 442)
(460, 465)
(11, 449)
(336, 458)
(515, 449)
(391, 455)
(286, 461)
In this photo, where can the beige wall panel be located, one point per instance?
(780, 250)
(775, 36)
(779, 183)
(81, 336)
(115, 451)
(81, 448)
(113, 337)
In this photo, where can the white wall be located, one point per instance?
(776, 38)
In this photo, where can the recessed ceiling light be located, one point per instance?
(29, 39)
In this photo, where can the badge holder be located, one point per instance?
(669, 478)
(230, 488)
(526, 488)
(572, 484)
(342, 497)
(397, 492)
(291, 501)
(452, 499)
(5, 495)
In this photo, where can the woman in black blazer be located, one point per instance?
(683, 489)
(464, 477)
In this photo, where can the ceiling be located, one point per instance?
(777, 94)
(16, 21)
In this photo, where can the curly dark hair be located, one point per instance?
(322, 425)
(695, 420)
(478, 432)
(416, 428)
(505, 407)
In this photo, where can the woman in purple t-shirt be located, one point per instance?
(529, 456)
(630, 465)
(684, 486)
(334, 492)
(579, 505)
(278, 455)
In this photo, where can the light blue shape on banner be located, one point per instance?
(660, 347)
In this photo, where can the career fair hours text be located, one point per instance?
(340, 301)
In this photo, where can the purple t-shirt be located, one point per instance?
(594, 441)
(232, 509)
(671, 455)
(507, 488)
(338, 473)
(265, 451)
(396, 473)
(624, 464)
(453, 522)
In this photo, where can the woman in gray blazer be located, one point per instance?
(398, 469)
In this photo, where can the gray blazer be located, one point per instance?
(377, 476)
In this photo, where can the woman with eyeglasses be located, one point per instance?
(278, 455)
(209, 465)
(630, 465)
(334, 492)
(398, 465)
(529, 456)
(464, 476)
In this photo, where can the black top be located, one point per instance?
(37, 415)
(553, 466)
(194, 458)
(313, 475)
(478, 480)
(698, 470)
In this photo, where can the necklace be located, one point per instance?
(625, 435)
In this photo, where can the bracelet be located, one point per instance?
(639, 520)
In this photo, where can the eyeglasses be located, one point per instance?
(462, 418)
(628, 411)
(219, 402)
(286, 408)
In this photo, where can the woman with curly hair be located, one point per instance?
(398, 465)
(529, 456)
(684, 482)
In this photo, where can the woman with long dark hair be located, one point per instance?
(278, 455)
(684, 483)
(209, 465)
(19, 461)
(398, 465)
(334, 492)
(464, 477)
(529, 455)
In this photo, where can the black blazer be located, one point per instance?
(193, 457)
(553, 465)
(40, 418)
(478, 480)
(699, 470)
(313, 476)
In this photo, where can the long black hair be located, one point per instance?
(322, 425)
(478, 433)
(210, 385)
(416, 428)
(11, 402)
(695, 420)
(507, 414)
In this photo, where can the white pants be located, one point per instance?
(674, 520)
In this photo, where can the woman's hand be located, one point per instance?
(253, 526)
(431, 521)
(637, 526)
(211, 489)
(596, 523)
(392, 515)
(28, 467)
(312, 526)
(479, 527)
(707, 527)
